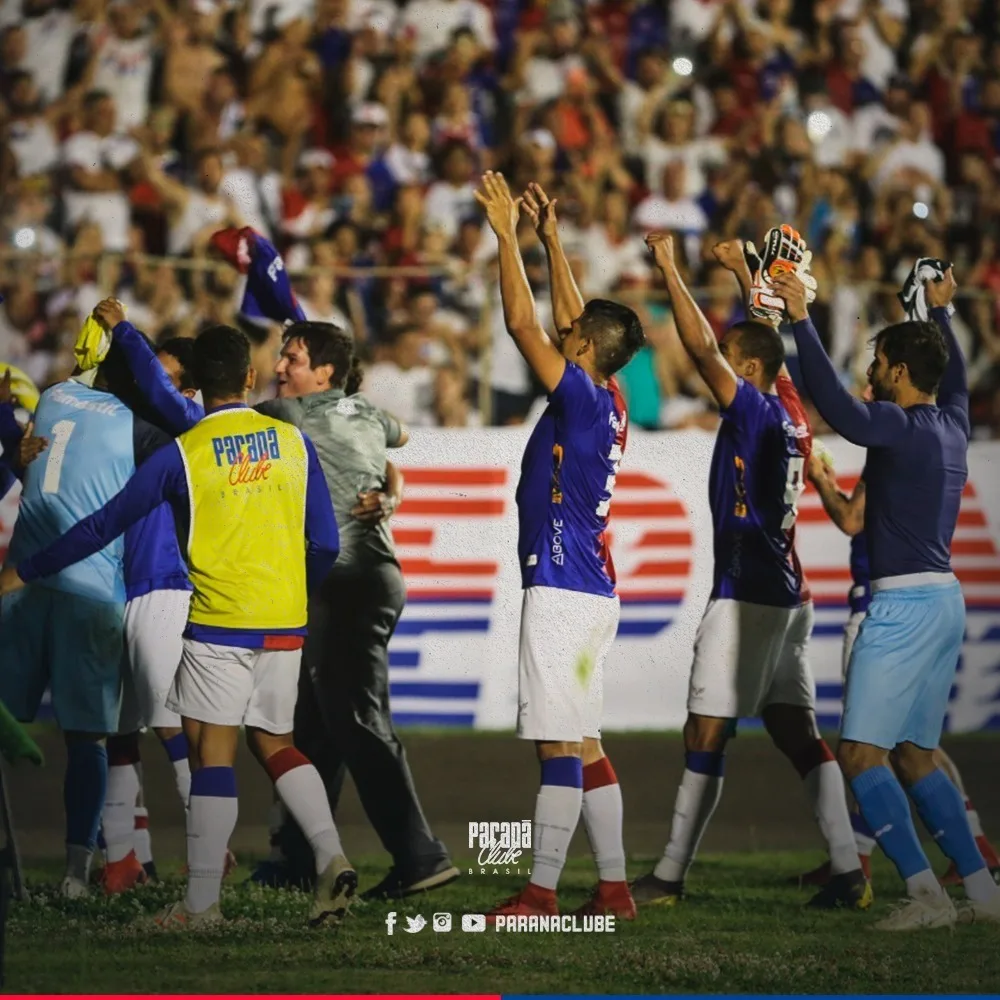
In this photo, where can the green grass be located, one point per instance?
(741, 930)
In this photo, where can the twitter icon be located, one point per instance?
(414, 925)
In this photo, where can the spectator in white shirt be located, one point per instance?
(400, 380)
(451, 199)
(49, 32)
(674, 210)
(29, 142)
(431, 23)
(123, 64)
(674, 140)
(913, 158)
(97, 158)
(408, 160)
(543, 60)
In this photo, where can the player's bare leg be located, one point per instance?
(705, 740)
(794, 732)
(557, 813)
(301, 789)
(602, 816)
(942, 808)
(951, 876)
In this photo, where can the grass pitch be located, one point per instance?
(741, 930)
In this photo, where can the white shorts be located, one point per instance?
(154, 624)
(231, 686)
(565, 639)
(748, 656)
(850, 634)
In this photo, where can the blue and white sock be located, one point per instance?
(211, 820)
(84, 790)
(887, 810)
(942, 808)
(557, 812)
(697, 798)
(177, 751)
(118, 816)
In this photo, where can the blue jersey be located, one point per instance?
(860, 595)
(917, 459)
(567, 478)
(754, 486)
(89, 459)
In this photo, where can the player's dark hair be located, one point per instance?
(181, 348)
(354, 377)
(616, 332)
(220, 362)
(921, 347)
(327, 344)
(762, 342)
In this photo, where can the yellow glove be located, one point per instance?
(92, 345)
(24, 391)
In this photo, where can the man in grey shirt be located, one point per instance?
(343, 716)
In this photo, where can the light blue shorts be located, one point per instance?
(903, 665)
(69, 643)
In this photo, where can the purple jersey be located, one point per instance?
(567, 478)
(754, 487)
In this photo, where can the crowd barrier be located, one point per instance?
(454, 656)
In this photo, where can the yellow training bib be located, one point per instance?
(247, 477)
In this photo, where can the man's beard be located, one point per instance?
(881, 394)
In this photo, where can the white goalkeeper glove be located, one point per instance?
(784, 251)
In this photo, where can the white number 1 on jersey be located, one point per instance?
(794, 485)
(61, 433)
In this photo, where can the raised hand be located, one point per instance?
(541, 211)
(109, 313)
(729, 253)
(30, 447)
(789, 287)
(661, 245)
(502, 209)
(940, 293)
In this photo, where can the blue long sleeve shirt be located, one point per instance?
(162, 479)
(917, 462)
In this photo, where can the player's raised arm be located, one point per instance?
(567, 302)
(694, 330)
(870, 425)
(846, 512)
(953, 392)
(161, 478)
(179, 413)
(518, 306)
(730, 254)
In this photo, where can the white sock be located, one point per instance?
(979, 886)
(602, 816)
(78, 860)
(697, 798)
(118, 817)
(557, 812)
(182, 778)
(923, 884)
(141, 840)
(211, 819)
(824, 785)
(975, 825)
(303, 793)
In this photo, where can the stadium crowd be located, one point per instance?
(350, 133)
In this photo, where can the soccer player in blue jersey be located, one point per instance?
(847, 511)
(903, 661)
(570, 610)
(750, 650)
(67, 631)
